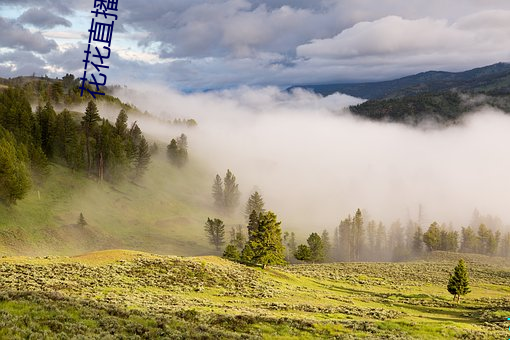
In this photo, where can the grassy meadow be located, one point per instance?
(135, 295)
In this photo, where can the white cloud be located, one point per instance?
(482, 36)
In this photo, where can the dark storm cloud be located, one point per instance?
(39, 17)
(16, 36)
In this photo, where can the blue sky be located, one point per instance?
(198, 44)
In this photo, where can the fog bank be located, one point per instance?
(315, 163)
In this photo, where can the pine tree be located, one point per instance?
(316, 247)
(266, 241)
(177, 151)
(381, 240)
(237, 237)
(470, 243)
(89, 122)
(505, 245)
(326, 243)
(230, 192)
(357, 234)
(67, 140)
(232, 253)
(418, 241)
(458, 284)
(253, 225)
(371, 238)
(247, 254)
(121, 126)
(303, 253)
(143, 158)
(46, 118)
(215, 230)
(81, 221)
(289, 239)
(217, 193)
(345, 233)
(432, 237)
(255, 203)
(14, 175)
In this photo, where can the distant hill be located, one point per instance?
(489, 79)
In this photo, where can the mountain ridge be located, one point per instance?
(491, 78)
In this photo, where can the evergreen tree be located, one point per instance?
(255, 203)
(357, 235)
(67, 140)
(230, 192)
(345, 231)
(232, 253)
(81, 220)
(289, 240)
(253, 225)
(237, 237)
(418, 241)
(505, 245)
(336, 245)
(432, 237)
(381, 241)
(121, 126)
(89, 122)
(217, 193)
(143, 158)
(371, 238)
(326, 243)
(303, 253)
(14, 176)
(266, 241)
(46, 119)
(458, 284)
(177, 151)
(215, 231)
(316, 247)
(470, 243)
(247, 254)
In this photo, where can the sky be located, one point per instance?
(193, 45)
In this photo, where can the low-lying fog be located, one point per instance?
(315, 163)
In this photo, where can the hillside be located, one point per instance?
(165, 213)
(139, 295)
(489, 79)
(443, 97)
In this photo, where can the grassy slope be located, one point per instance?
(127, 293)
(164, 213)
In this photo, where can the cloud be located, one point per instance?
(314, 163)
(15, 36)
(21, 62)
(479, 38)
(60, 6)
(40, 17)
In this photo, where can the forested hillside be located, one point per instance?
(74, 181)
(443, 97)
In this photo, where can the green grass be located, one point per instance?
(138, 295)
(164, 213)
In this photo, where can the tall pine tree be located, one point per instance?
(89, 123)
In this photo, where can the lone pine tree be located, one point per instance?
(458, 284)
